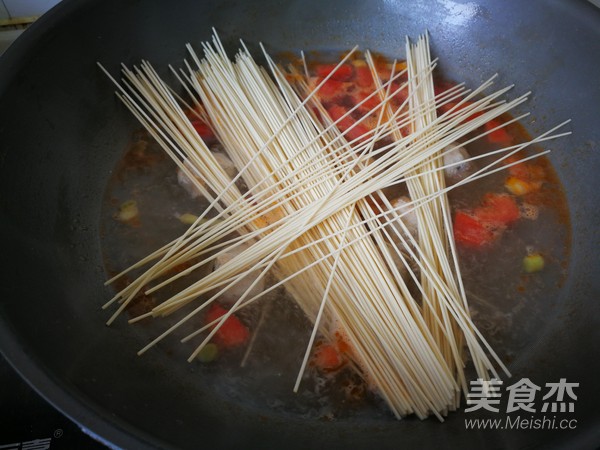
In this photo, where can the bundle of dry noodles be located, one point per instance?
(315, 215)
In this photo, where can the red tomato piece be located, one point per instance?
(383, 72)
(499, 136)
(336, 112)
(232, 333)
(363, 77)
(498, 209)
(343, 73)
(357, 132)
(203, 130)
(398, 94)
(330, 89)
(326, 357)
(470, 231)
(369, 104)
(317, 113)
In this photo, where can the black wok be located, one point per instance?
(62, 130)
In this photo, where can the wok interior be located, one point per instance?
(63, 130)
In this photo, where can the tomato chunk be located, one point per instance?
(326, 357)
(487, 222)
(331, 88)
(343, 73)
(357, 131)
(336, 112)
(470, 231)
(203, 130)
(232, 333)
(498, 209)
(499, 136)
(363, 77)
(370, 103)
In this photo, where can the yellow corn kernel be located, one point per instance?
(517, 186)
(128, 211)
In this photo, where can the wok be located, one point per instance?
(62, 131)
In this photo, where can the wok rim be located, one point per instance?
(108, 429)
